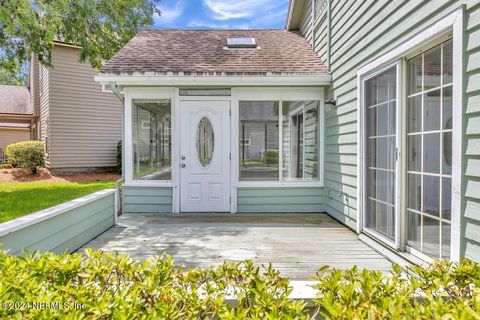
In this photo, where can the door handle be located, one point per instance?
(183, 165)
(183, 157)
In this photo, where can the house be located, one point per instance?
(17, 120)
(79, 123)
(367, 111)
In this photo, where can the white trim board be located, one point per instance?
(233, 81)
(450, 24)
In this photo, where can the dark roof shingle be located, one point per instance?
(15, 99)
(193, 52)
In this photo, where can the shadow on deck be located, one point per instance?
(296, 244)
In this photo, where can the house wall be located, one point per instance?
(11, 135)
(85, 123)
(471, 206)
(355, 33)
(147, 199)
(280, 199)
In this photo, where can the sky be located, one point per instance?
(221, 14)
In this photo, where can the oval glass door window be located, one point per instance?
(205, 142)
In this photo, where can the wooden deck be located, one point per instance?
(296, 244)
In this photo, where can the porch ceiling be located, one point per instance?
(296, 244)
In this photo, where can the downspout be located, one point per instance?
(119, 181)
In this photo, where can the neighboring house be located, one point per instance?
(17, 119)
(395, 157)
(79, 123)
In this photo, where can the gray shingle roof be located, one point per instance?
(15, 99)
(194, 52)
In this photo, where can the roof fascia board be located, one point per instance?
(234, 81)
(293, 7)
(63, 44)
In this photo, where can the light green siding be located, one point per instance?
(280, 199)
(147, 199)
(70, 229)
(355, 33)
(471, 222)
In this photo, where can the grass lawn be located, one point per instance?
(19, 199)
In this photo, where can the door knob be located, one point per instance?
(183, 157)
(183, 165)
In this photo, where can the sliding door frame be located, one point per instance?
(364, 161)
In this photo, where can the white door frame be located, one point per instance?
(449, 26)
(363, 160)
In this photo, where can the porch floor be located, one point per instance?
(296, 244)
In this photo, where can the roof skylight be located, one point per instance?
(241, 42)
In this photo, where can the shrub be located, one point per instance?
(26, 154)
(115, 286)
(444, 290)
(271, 157)
(106, 286)
(119, 157)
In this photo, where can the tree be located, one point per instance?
(99, 27)
(14, 79)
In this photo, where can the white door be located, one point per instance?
(205, 156)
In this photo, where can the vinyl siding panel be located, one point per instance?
(8, 136)
(360, 32)
(147, 200)
(306, 23)
(280, 199)
(85, 123)
(471, 221)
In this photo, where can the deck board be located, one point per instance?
(295, 244)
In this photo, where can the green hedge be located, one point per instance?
(26, 154)
(444, 290)
(104, 286)
(115, 286)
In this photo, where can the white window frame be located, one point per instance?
(450, 26)
(132, 94)
(279, 95)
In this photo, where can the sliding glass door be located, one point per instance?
(407, 153)
(380, 171)
(429, 152)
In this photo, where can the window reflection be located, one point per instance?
(152, 140)
(300, 140)
(259, 140)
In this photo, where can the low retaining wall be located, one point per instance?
(66, 226)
